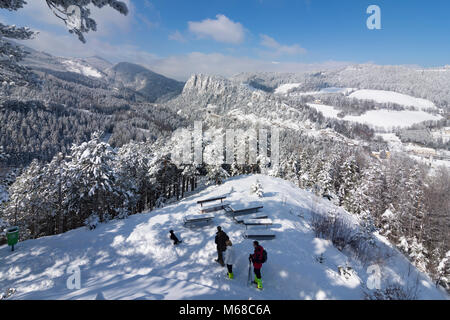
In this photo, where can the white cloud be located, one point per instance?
(70, 46)
(221, 29)
(278, 49)
(181, 67)
(177, 36)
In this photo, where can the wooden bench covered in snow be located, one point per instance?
(197, 218)
(259, 235)
(241, 219)
(201, 202)
(257, 222)
(214, 207)
(242, 212)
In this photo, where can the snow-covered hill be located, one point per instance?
(134, 259)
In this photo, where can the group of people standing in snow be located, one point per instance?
(226, 255)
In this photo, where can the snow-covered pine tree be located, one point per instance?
(236, 169)
(213, 156)
(305, 169)
(415, 251)
(94, 180)
(263, 163)
(325, 176)
(189, 174)
(25, 205)
(86, 23)
(257, 189)
(389, 223)
(413, 203)
(55, 186)
(348, 178)
(165, 178)
(11, 73)
(3, 154)
(367, 198)
(132, 167)
(443, 270)
(292, 169)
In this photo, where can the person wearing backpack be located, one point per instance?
(258, 257)
(221, 242)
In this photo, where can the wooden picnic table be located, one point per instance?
(201, 202)
(250, 216)
(259, 235)
(257, 222)
(242, 212)
(214, 207)
(197, 218)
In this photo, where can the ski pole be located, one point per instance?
(249, 272)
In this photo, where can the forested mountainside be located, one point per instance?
(150, 84)
(431, 84)
(73, 98)
(210, 96)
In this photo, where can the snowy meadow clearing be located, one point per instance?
(134, 258)
(383, 96)
(383, 118)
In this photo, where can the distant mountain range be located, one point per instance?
(150, 84)
(147, 84)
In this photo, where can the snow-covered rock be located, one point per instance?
(201, 83)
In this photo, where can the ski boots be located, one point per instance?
(259, 283)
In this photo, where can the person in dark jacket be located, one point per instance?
(221, 242)
(174, 238)
(256, 258)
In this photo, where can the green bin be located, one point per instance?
(12, 234)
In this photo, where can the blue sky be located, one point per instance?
(178, 38)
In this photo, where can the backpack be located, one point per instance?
(264, 256)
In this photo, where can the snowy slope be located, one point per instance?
(391, 118)
(81, 68)
(284, 88)
(382, 96)
(382, 118)
(133, 258)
